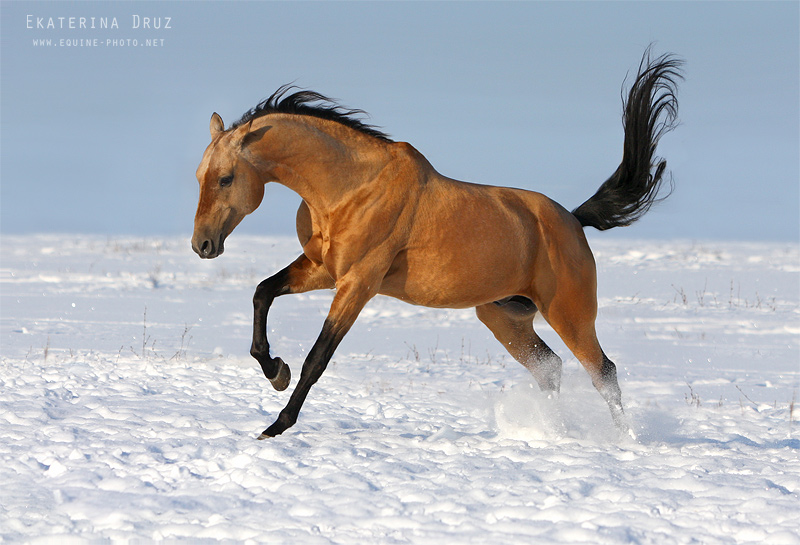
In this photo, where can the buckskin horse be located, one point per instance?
(377, 218)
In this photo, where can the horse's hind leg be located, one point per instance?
(301, 276)
(511, 322)
(572, 315)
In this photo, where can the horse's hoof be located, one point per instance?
(282, 379)
(273, 431)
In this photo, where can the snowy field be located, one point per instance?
(129, 406)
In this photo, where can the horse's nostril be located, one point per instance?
(207, 248)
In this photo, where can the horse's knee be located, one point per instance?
(275, 285)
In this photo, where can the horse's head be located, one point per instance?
(230, 186)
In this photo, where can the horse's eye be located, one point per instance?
(225, 181)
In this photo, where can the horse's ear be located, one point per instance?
(216, 126)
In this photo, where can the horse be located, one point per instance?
(377, 218)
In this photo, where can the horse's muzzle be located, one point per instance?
(207, 249)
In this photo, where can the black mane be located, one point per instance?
(311, 104)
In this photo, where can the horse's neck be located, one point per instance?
(321, 160)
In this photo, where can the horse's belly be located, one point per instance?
(455, 281)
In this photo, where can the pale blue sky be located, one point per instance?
(106, 139)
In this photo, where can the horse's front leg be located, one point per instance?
(301, 276)
(349, 300)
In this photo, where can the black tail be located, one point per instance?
(650, 111)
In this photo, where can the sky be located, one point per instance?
(105, 138)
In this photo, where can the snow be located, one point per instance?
(129, 406)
